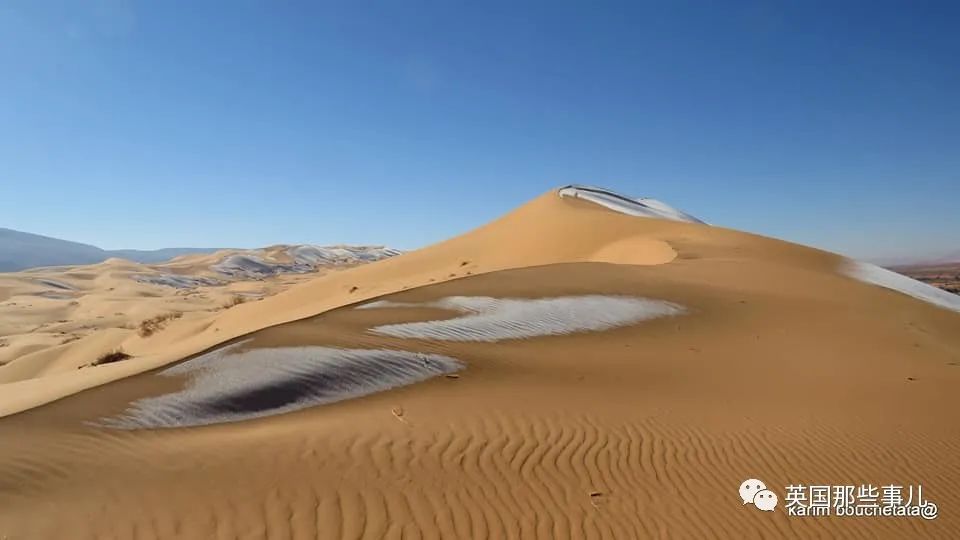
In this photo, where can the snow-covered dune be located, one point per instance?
(255, 264)
(178, 282)
(252, 266)
(308, 254)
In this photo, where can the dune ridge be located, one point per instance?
(642, 207)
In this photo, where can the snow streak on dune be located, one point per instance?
(496, 319)
(871, 273)
(56, 284)
(257, 264)
(313, 255)
(305, 258)
(227, 385)
(177, 282)
(253, 267)
(644, 207)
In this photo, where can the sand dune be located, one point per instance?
(708, 356)
(60, 318)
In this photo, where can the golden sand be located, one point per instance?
(781, 368)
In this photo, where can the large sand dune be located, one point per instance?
(568, 370)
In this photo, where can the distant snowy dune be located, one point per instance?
(308, 254)
(643, 207)
(262, 263)
(254, 264)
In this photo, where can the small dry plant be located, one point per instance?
(153, 325)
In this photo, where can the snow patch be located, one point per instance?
(56, 284)
(227, 385)
(253, 267)
(259, 264)
(314, 255)
(643, 207)
(306, 258)
(871, 273)
(178, 282)
(495, 319)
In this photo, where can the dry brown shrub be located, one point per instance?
(150, 326)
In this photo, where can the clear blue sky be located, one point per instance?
(245, 123)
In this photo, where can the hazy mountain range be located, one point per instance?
(20, 250)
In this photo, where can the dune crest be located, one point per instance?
(642, 207)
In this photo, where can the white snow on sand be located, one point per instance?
(306, 258)
(378, 304)
(314, 255)
(644, 207)
(177, 281)
(56, 284)
(256, 264)
(229, 385)
(254, 267)
(495, 319)
(871, 273)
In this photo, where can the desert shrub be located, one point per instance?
(235, 300)
(110, 357)
(150, 326)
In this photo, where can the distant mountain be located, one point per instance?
(946, 257)
(20, 250)
(953, 257)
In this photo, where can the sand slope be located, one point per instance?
(780, 366)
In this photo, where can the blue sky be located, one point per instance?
(246, 123)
